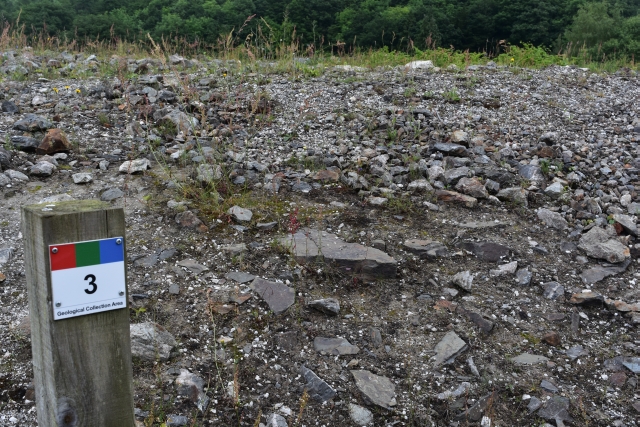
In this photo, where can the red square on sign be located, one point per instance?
(64, 257)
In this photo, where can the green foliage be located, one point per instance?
(588, 29)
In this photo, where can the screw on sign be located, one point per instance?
(87, 277)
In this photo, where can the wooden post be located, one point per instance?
(82, 365)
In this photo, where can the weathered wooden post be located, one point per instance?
(75, 270)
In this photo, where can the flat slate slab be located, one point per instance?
(376, 389)
(317, 388)
(449, 347)
(529, 359)
(337, 346)
(486, 251)
(598, 273)
(278, 296)
(240, 276)
(425, 248)
(310, 245)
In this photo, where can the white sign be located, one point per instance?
(87, 277)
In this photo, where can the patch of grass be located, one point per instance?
(451, 96)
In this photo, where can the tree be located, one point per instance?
(592, 25)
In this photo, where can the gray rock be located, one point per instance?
(176, 420)
(5, 255)
(240, 214)
(359, 415)
(475, 412)
(556, 408)
(552, 219)
(146, 261)
(329, 306)
(276, 420)
(9, 107)
(376, 389)
(486, 251)
(33, 123)
(240, 276)
(480, 225)
(555, 190)
(515, 195)
(631, 363)
(472, 187)
(318, 389)
(531, 173)
(336, 346)
(5, 158)
(134, 166)
(524, 276)
(450, 149)
(449, 347)
(601, 243)
(419, 65)
(529, 359)
(150, 342)
(460, 137)
(420, 186)
(183, 122)
(454, 197)
(188, 219)
(534, 404)
(4, 180)
(426, 248)
(435, 173)
(16, 175)
(111, 194)
(552, 290)
(301, 187)
(82, 178)
(208, 173)
(377, 201)
(278, 296)
(193, 266)
(64, 197)
(633, 208)
(504, 269)
(492, 186)
(191, 386)
(266, 225)
(375, 337)
(42, 169)
(598, 273)
(25, 143)
(549, 138)
(310, 245)
(452, 176)
(548, 386)
(576, 351)
(234, 249)
(454, 394)
(464, 279)
(167, 253)
(627, 222)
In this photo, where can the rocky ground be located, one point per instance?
(319, 247)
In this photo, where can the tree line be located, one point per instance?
(604, 27)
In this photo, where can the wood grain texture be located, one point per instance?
(82, 365)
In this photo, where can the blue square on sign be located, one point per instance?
(111, 251)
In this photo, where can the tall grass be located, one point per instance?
(251, 43)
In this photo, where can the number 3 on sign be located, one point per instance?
(92, 282)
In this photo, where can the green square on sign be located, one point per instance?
(87, 253)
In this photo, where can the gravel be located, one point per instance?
(522, 195)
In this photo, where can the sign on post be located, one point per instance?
(76, 280)
(87, 277)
